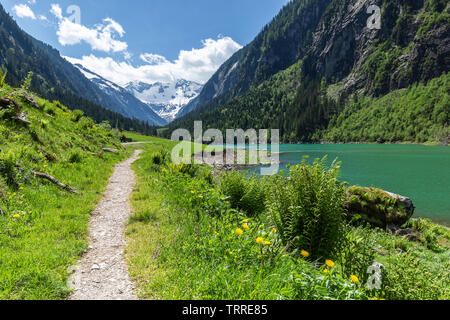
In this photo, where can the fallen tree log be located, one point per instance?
(111, 150)
(7, 102)
(22, 119)
(54, 181)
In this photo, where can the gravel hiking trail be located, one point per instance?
(102, 273)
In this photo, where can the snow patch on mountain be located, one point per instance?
(165, 98)
(121, 100)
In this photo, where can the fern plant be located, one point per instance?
(27, 82)
(307, 209)
(3, 73)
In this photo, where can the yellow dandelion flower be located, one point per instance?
(200, 197)
(230, 252)
(245, 221)
(192, 191)
(245, 226)
(274, 230)
(326, 270)
(267, 243)
(354, 279)
(304, 253)
(239, 232)
(30, 212)
(329, 263)
(16, 216)
(259, 240)
(20, 188)
(216, 233)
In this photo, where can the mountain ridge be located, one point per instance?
(55, 78)
(338, 60)
(167, 99)
(122, 101)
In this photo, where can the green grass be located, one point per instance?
(43, 229)
(177, 249)
(182, 244)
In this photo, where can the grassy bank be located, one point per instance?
(194, 236)
(43, 228)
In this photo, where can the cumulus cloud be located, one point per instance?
(23, 11)
(101, 37)
(195, 65)
(151, 58)
(56, 11)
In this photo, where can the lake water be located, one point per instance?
(419, 172)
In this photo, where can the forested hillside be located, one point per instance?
(316, 59)
(54, 77)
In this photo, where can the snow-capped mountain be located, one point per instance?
(167, 99)
(120, 100)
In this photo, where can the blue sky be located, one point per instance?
(146, 40)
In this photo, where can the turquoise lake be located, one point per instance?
(419, 172)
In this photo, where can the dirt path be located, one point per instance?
(102, 273)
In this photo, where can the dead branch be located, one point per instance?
(54, 181)
(22, 118)
(7, 102)
(111, 150)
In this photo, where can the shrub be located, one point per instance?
(308, 209)
(245, 193)
(50, 110)
(9, 168)
(407, 279)
(76, 115)
(3, 74)
(159, 158)
(76, 156)
(356, 252)
(85, 123)
(60, 106)
(27, 82)
(105, 125)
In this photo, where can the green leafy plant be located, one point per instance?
(3, 73)
(77, 115)
(308, 208)
(245, 193)
(27, 82)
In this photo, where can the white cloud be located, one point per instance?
(195, 65)
(56, 11)
(151, 58)
(23, 11)
(101, 37)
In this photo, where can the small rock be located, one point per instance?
(95, 267)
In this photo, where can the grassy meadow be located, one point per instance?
(43, 228)
(196, 236)
(193, 234)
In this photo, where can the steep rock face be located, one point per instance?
(333, 41)
(345, 49)
(282, 43)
